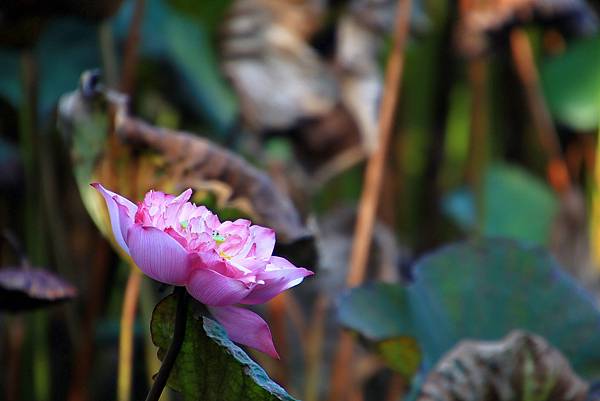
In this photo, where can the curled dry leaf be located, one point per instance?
(279, 77)
(177, 160)
(482, 21)
(202, 165)
(30, 288)
(328, 107)
(522, 366)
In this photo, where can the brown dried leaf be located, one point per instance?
(285, 86)
(522, 366)
(334, 242)
(482, 19)
(191, 161)
(178, 160)
(279, 77)
(28, 288)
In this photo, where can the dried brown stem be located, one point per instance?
(524, 61)
(132, 44)
(126, 335)
(313, 350)
(277, 309)
(371, 190)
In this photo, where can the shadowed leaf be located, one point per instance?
(209, 366)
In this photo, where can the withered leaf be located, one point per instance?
(31, 288)
(522, 366)
(280, 79)
(482, 22)
(198, 163)
(176, 161)
(328, 107)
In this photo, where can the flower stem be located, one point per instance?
(178, 335)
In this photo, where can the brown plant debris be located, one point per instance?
(198, 163)
(327, 105)
(147, 157)
(31, 288)
(522, 366)
(483, 21)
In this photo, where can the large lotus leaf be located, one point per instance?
(184, 45)
(481, 290)
(516, 205)
(572, 85)
(209, 366)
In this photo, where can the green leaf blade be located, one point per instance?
(209, 366)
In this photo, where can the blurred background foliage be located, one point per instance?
(495, 135)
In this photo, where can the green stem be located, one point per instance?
(174, 348)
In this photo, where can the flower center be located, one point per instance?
(218, 238)
(224, 255)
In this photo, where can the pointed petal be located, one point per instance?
(212, 288)
(264, 238)
(245, 327)
(275, 282)
(159, 255)
(174, 207)
(122, 212)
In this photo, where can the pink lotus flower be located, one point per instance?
(221, 264)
